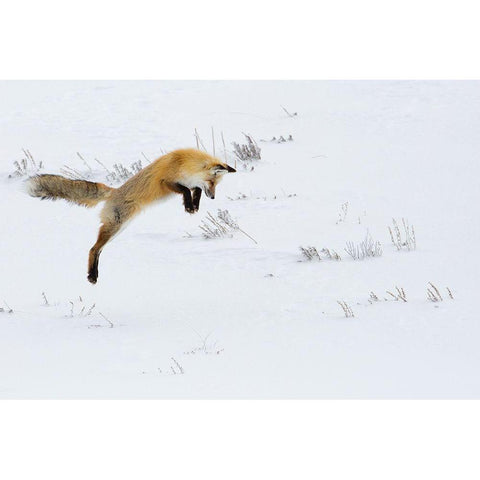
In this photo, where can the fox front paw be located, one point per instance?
(92, 277)
(191, 209)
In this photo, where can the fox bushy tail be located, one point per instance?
(81, 192)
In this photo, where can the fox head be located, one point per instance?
(212, 175)
(198, 169)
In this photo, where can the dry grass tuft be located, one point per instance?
(366, 248)
(223, 225)
(399, 295)
(27, 166)
(407, 240)
(434, 295)
(348, 312)
(249, 151)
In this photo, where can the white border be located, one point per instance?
(232, 439)
(215, 39)
(240, 440)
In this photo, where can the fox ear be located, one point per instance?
(223, 168)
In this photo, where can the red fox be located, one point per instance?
(186, 172)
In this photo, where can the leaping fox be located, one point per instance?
(186, 172)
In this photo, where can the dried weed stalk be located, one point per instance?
(348, 312)
(399, 295)
(406, 240)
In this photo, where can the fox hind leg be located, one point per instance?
(107, 231)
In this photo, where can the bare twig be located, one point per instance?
(213, 142)
(7, 310)
(436, 291)
(291, 115)
(45, 298)
(199, 141)
(145, 157)
(105, 318)
(103, 165)
(84, 162)
(178, 366)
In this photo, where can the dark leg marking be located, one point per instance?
(104, 235)
(197, 193)
(187, 196)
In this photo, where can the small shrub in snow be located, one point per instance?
(82, 309)
(26, 166)
(310, 253)
(214, 228)
(348, 312)
(399, 295)
(249, 151)
(331, 254)
(121, 173)
(178, 367)
(280, 139)
(240, 196)
(207, 348)
(406, 241)
(366, 248)
(223, 225)
(373, 298)
(343, 213)
(434, 295)
(175, 369)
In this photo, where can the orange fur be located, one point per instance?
(180, 171)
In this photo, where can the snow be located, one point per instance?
(229, 318)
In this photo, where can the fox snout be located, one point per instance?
(209, 192)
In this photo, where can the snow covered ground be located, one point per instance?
(229, 318)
